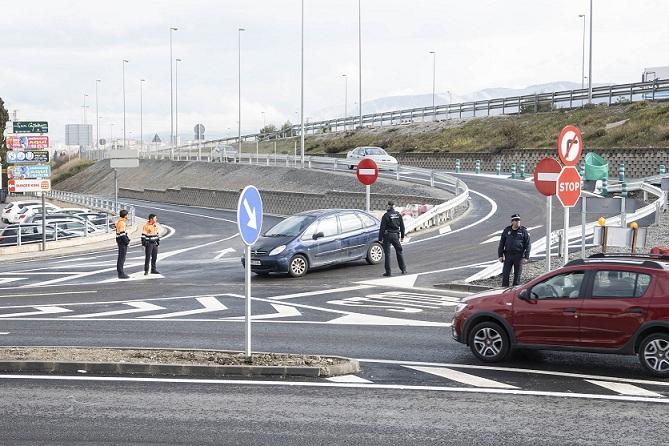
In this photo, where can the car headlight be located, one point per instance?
(460, 307)
(278, 250)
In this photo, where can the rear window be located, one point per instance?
(367, 220)
(620, 284)
(350, 222)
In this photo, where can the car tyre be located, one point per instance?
(489, 342)
(374, 254)
(654, 354)
(298, 266)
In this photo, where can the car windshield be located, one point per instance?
(291, 227)
(375, 151)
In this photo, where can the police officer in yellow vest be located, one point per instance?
(150, 241)
(122, 240)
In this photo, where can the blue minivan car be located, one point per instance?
(318, 238)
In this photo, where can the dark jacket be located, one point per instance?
(514, 242)
(391, 222)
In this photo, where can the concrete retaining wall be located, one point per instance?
(639, 163)
(274, 202)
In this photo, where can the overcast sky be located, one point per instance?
(53, 50)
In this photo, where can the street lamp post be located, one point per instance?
(84, 107)
(171, 99)
(97, 116)
(176, 102)
(124, 140)
(590, 63)
(302, 89)
(263, 119)
(583, 55)
(434, 77)
(141, 115)
(345, 98)
(111, 134)
(360, 59)
(239, 95)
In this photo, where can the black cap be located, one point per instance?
(390, 203)
(515, 217)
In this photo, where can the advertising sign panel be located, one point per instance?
(29, 185)
(27, 142)
(27, 157)
(30, 127)
(28, 172)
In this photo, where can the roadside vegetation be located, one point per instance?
(640, 124)
(64, 168)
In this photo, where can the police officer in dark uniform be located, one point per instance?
(392, 233)
(513, 250)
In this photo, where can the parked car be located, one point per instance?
(317, 238)
(377, 154)
(30, 233)
(37, 217)
(99, 219)
(75, 226)
(603, 304)
(24, 213)
(73, 211)
(11, 209)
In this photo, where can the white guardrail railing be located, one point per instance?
(93, 202)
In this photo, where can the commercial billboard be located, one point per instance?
(42, 185)
(28, 172)
(27, 156)
(30, 127)
(27, 142)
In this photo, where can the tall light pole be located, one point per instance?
(141, 115)
(111, 134)
(124, 141)
(84, 107)
(176, 101)
(583, 55)
(434, 77)
(345, 98)
(302, 89)
(360, 59)
(171, 100)
(263, 119)
(97, 116)
(590, 57)
(239, 96)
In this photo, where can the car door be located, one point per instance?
(353, 237)
(326, 249)
(616, 308)
(549, 316)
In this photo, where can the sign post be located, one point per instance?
(121, 159)
(367, 173)
(249, 223)
(570, 149)
(545, 180)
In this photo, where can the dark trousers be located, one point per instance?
(120, 261)
(392, 238)
(515, 261)
(150, 254)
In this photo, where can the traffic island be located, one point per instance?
(170, 362)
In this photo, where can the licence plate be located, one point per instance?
(256, 263)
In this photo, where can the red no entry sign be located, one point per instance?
(570, 145)
(546, 174)
(568, 187)
(367, 171)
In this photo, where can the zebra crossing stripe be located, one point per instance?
(463, 378)
(625, 389)
(40, 311)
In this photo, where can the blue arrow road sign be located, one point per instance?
(249, 215)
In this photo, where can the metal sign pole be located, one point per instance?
(584, 202)
(43, 223)
(247, 294)
(565, 239)
(367, 197)
(116, 190)
(549, 211)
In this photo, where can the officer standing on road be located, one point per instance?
(122, 240)
(150, 241)
(514, 250)
(392, 233)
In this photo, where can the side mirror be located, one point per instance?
(318, 235)
(525, 295)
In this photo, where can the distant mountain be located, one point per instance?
(425, 100)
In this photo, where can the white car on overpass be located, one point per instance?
(377, 154)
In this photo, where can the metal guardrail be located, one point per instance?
(54, 233)
(94, 202)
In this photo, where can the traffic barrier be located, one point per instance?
(522, 170)
(624, 189)
(457, 166)
(478, 167)
(605, 187)
(498, 167)
(621, 172)
(663, 169)
(513, 171)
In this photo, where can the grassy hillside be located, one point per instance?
(69, 169)
(641, 124)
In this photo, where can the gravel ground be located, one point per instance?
(148, 356)
(658, 235)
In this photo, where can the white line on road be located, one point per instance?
(224, 252)
(11, 279)
(44, 294)
(443, 230)
(194, 214)
(348, 379)
(463, 378)
(282, 311)
(320, 292)
(138, 307)
(210, 304)
(40, 310)
(625, 389)
(4, 332)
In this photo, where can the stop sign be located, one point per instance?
(568, 188)
(367, 171)
(545, 176)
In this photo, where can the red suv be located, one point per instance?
(603, 304)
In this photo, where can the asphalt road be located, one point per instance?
(416, 384)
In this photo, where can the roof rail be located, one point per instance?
(602, 255)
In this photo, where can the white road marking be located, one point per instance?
(210, 304)
(625, 389)
(534, 227)
(4, 332)
(398, 301)
(496, 233)
(78, 259)
(194, 214)
(40, 310)
(368, 319)
(138, 307)
(224, 252)
(11, 279)
(320, 292)
(463, 378)
(328, 384)
(44, 294)
(494, 239)
(139, 275)
(198, 236)
(282, 311)
(348, 379)
(398, 281)
(443, 230)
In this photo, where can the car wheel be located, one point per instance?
(298, 266)
(654, 354)
(489, 342)
(374, 254)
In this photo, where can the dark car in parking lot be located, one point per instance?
(315, 239)
(13, 235)
(603, 304)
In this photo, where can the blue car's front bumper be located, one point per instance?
(268, 264)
